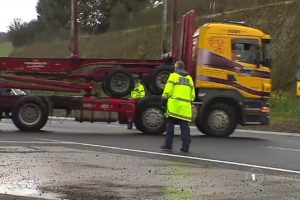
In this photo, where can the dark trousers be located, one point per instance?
(185, 132)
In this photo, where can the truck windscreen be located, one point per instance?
(246, 50)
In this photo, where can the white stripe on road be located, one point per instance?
(261, 132)
(177, 156)
(285, 149)
(29, 142)
(268, 132)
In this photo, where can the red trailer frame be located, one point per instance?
(71, 68)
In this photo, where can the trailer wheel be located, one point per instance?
(158, 79)
(119, 83)
(150, 116)
(220, 120)
(30, 113)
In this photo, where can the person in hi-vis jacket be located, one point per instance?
(177, 98)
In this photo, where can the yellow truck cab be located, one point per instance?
(232, 77)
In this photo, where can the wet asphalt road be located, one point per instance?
(273, 153)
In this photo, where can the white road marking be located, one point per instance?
(50, 140)
(177, 156)
(267, 132)
(285, 149)
(28, 142)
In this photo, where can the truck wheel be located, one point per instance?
(137, 125)
(30, 114)
(220, 120)
(158, 79)
(119, 83)
(150, 117)
(199, 124)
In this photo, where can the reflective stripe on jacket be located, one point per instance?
(180, 92)
(138, 92)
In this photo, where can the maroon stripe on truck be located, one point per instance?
(233, 84)
(210, 59)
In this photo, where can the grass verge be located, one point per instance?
(285, 114)
(5, 49)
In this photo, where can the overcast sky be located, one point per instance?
(11, 9)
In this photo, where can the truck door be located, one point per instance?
(248, 54)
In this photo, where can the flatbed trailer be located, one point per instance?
(115, 74)
(30, 113)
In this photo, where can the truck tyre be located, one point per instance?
(150, 116)
(30, 113)
(158, 79)
(119, 83)
(220, 120)
(199, 124)
(137, 125)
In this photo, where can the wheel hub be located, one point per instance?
(218, 120)
(29, 114)
(153, 118)
(119, 83)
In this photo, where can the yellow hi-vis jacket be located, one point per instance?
(138, 92)
(180, 92)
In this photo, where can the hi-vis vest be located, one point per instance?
(138, 92)
(180, 92)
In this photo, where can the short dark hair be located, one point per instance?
(180, 64)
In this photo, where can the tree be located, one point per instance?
(94, 15)
(22, 33)
(3, 37)
(131, 13)
(54, 14)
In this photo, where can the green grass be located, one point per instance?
(5, 49)
(285, 113)
(141, 43)
(285, 105)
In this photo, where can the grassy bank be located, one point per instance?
(5, 49)
(285, 113)
(140, 43)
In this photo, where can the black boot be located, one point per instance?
(166, 147)
(185, 148)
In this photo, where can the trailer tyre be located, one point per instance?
(150, 116)
(30, 114)
(119, 83)
(220, 120)
(158, 79)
